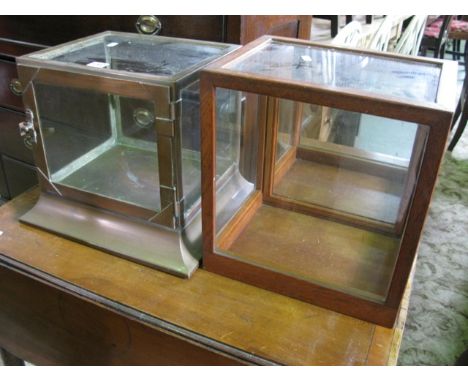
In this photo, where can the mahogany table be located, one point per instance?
(63, 303)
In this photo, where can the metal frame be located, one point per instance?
(44, 59)
(164, 126)
(161, 238)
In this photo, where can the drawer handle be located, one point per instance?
(27, 131)
(16, 87)
(148, 25)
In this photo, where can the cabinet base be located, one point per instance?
(139, 241)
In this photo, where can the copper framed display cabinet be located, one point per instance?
(113, 120)
(337, 151)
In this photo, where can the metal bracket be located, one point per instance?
(27, 131)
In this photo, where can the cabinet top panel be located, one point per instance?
(127, 53)
(403, 78)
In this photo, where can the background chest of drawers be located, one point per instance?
(24, 34)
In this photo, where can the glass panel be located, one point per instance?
(135, 53)
(237, 134)
(350, 164)
(136, 120)
(285, 127)
(343, 69)
(190, 142)
(73, 122)
(340, 199)
(100, 143)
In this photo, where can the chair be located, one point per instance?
(381, 37)
(351, 35)
(435, 36)
(461, 110)
(458, 31)
(410, 40)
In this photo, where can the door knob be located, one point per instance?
(148, 25)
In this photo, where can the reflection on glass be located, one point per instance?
(287, 110)
(98, 143)
(340, 192)
(351, 163)
(343, 69)
(236, 151)
(137, 54)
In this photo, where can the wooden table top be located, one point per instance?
(256, 325)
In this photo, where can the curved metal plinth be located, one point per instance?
(140, 241)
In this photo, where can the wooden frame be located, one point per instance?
(436, 116)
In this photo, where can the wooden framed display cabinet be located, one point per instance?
(335, 154)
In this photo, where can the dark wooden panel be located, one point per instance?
(53, 30)
(11, 143)
(252, 27)
(4, 194)
(7, 98)
(8, 359)
(47, 326)
(9, 50)
(20, 176)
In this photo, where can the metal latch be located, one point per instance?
(26, 130)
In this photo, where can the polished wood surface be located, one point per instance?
(335, 187)
(57, 294)
(350, 259)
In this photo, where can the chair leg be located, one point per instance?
(442, 51)
(456, 115)
(459, 132)
(334, 26)
(457, 44)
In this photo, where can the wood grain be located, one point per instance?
(342, 257)
(338, 188)
(436, 115)
(63, 329)
(229, 313)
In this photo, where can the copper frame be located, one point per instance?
(160, 238)
(436, 116)
(164, 126)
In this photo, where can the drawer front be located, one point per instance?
(7, 98)
(3, 185)
(11, 143)
(19, 176)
